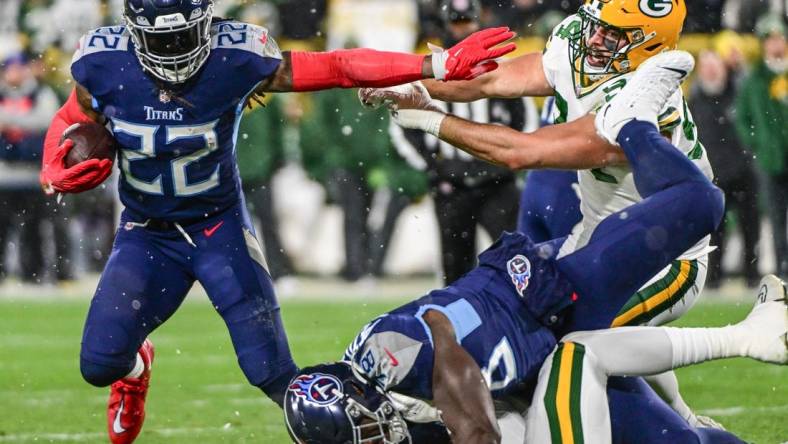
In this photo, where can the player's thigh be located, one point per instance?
(667, 296)
(139, 289)
(627, 249)
(570, 403)
(639, 416)
(231, 268)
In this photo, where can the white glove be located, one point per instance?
(411, 106)
(408, 96)
(414, 410)
(705, 421)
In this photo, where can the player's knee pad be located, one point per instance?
(108, 354)
(101, 375)
(110, 342)
(706, 202)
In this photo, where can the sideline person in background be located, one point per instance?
(712, 102)
(761, 121)
(468, 192)
(26, 106)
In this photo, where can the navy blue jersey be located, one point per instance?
(177, 155)
(495, 310)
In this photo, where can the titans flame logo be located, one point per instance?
(318, 388)
(519, 269)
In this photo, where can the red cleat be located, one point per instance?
(126, 409)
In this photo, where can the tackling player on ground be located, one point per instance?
(171, 83)
(589, 58)
(485, 336)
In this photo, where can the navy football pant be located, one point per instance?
(680, 206)
(549, 205)
(639, 416)
(147, 277)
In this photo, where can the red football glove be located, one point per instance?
(81, 177)
(473, 56)
(54, 175)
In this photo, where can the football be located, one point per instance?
(91, 141)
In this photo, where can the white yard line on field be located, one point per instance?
(55, 437)
(739, 410)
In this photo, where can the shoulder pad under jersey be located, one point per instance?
(246, 37)
(108, 38)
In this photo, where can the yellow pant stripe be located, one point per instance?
(564, 390)
(656, 300)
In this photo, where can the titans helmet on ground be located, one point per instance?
(328, 404)
(645, 27)
(172, 38)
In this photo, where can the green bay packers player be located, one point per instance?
(588, 59)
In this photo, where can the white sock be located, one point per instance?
(139, 367)
(641, 351)
(695, 345)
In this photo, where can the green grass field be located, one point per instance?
(199, 395)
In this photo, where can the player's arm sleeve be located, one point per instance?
(459, 390)
(347, 68)
(351, 68)
(72, 112)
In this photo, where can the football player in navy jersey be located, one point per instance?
(170, 83)
(493, 333)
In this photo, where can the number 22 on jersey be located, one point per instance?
(147, 150)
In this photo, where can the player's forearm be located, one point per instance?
(522, 76)
(573, 146)
(459, 390)
(460, 91)
(70, 113)
(351, 68)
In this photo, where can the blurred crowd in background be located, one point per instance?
(299, 153)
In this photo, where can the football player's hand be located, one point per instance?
(55, 177)
(473, 56)
(414, 410)
(408, 96)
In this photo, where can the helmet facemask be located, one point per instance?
(175, 47)
(616, 49)
(382, 425)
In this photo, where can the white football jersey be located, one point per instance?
(604, 191)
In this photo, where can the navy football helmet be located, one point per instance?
(172, 38)
(328, 404)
